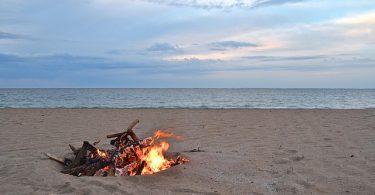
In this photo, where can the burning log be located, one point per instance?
(129, 157)
(140, 169)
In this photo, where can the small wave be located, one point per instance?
(189, 98)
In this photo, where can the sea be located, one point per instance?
(188, 98)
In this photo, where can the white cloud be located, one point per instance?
(364, 18)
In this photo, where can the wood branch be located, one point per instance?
(87, 169)
(74, 149)
(93, 168)
(81, 156)
(74, 171)
(129, 129)
(90, 147)
(132, 135)
(59, 160)
(140, 169)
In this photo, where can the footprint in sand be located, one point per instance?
(292, 151)
(282, 161)
(296, 158)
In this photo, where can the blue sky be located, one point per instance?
(187, 43)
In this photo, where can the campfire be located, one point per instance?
(129, 156)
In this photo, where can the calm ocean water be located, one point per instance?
(187, 98)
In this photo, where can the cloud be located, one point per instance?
(86, 71)
(275, 2)
(217, 50)
(365, 18)
(29, 66)
(162, 47)
(219, 4)
(286, 58)
(5, 35)
(159, 39)
(60, 62)
(225, 45)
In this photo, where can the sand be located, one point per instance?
(246, 151)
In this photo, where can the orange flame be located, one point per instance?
(160, 133)
(102, 154)
(154, 158)
(153, 155)
(145, 158)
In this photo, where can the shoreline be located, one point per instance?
(148, 108)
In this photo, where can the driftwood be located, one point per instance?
(74, 149)
(93, 168)
(79, 165)
(61, 161)
(129, 131)
(74, 171)
(86, 169)
(81, 155)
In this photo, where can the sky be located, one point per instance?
(187, 43)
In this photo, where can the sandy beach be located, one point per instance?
(247, 151)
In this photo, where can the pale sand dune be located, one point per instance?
(247, 151)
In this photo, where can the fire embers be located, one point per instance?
(129, 157)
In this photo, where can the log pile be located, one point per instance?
(129, 156)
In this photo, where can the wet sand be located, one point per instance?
(247, 151)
